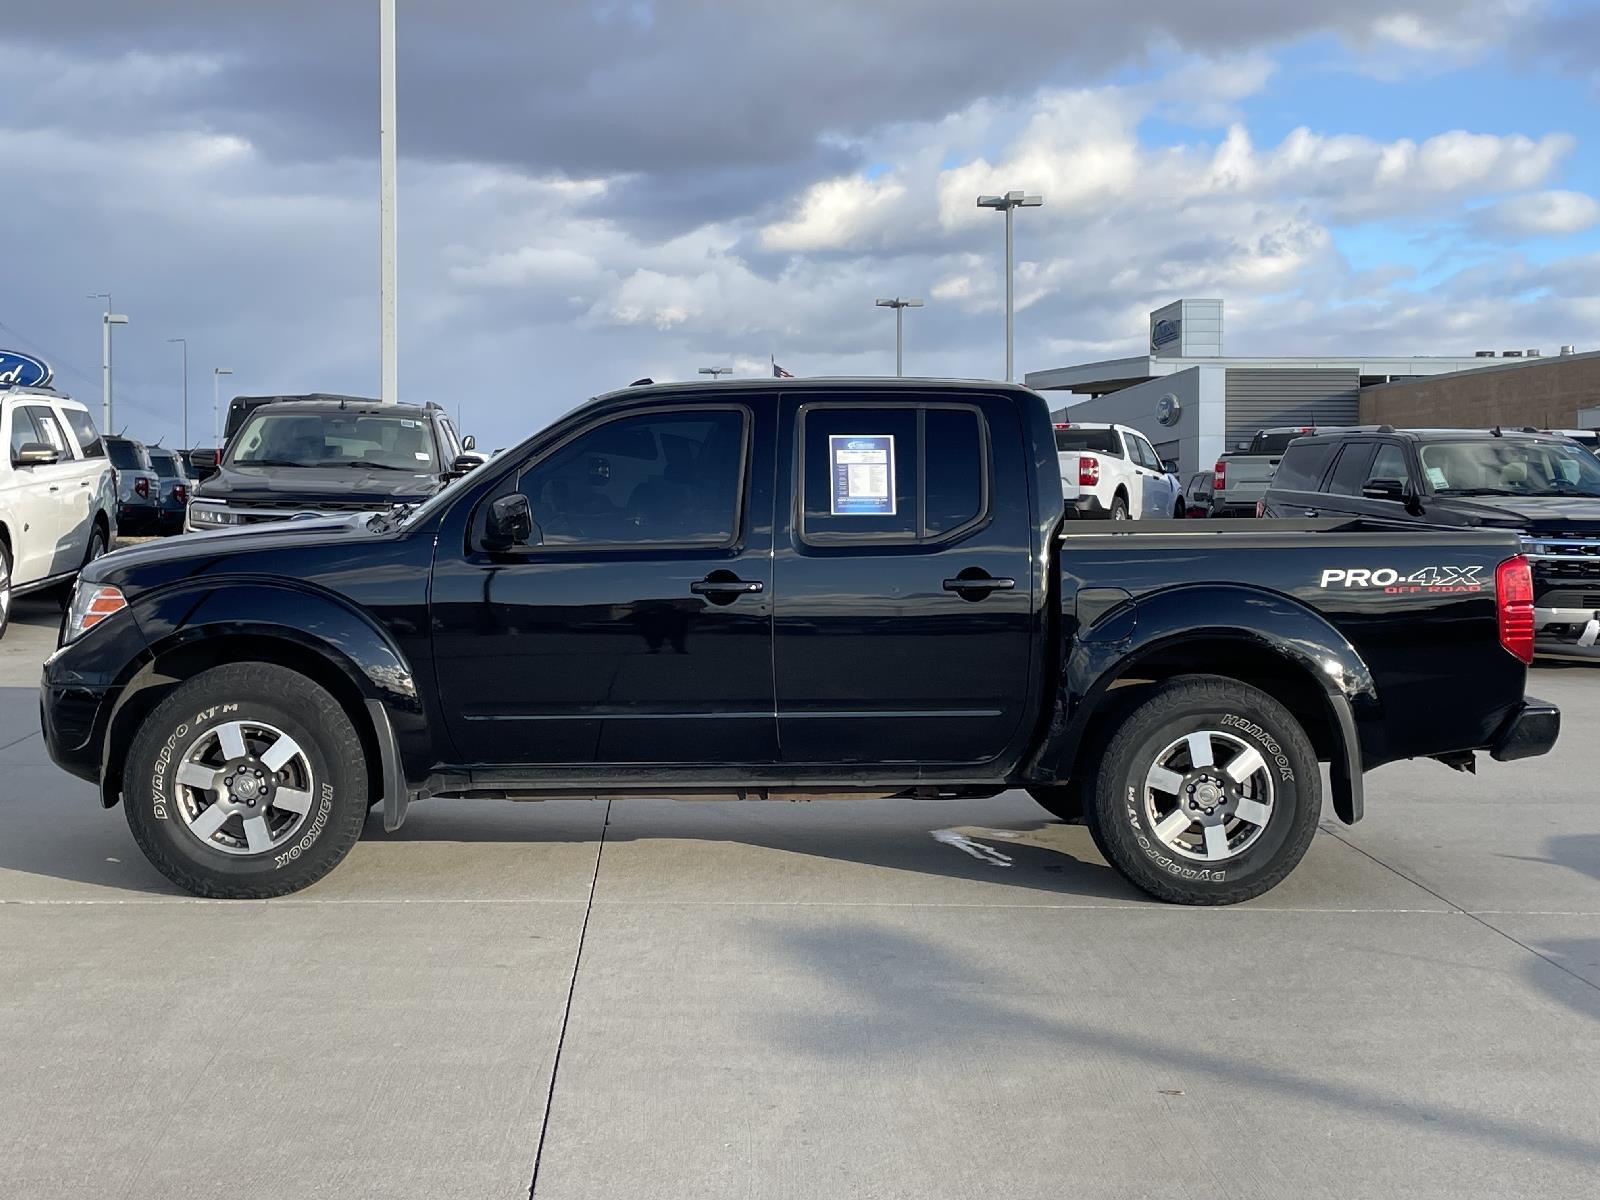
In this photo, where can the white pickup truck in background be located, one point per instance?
(1112, 472)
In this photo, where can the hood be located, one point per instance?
(300, 532)
(345, 486)
(1547, 514)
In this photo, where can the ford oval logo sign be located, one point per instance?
(23, 370)
(1168, 409)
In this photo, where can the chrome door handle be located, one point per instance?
(1311, 512)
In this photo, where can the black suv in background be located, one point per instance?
(329, 457)
(1545, 486)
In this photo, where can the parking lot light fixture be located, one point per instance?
(899, 305)
(216, 387)
(1006, 204)
(716, 371)
(107, 320)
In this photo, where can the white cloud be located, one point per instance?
(837, 213)
(1538, 214)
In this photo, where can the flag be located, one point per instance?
(779, 373)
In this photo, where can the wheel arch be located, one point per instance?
(347, 656)
(1260, 638)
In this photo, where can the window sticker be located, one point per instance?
(863, 474)
(1437, 478)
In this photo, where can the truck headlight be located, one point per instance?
(212, 514)
(91, 604)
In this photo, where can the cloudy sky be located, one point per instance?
(595, 191)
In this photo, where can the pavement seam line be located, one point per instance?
(20, 740)
(1495, 929)
(566, 1012)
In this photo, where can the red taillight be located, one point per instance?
(1513, 588)
(1219, 475)
(180, 493)
(1088, 470)
(141, 485)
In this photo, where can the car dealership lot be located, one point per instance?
(825, 999)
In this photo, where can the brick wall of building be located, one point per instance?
(1544, 392)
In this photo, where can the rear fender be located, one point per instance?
(1142, 638)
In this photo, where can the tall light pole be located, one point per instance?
(389, 352)
(715, 371)
(216, 388)
(1006, 203)
(899, 305)
(107, 320)
(185, 343)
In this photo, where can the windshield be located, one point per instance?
(334, 439)
(1100, 441)
(1498, 467)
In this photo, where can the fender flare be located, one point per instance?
(1131, 632)
(338, 633)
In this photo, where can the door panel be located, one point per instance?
(616, 640)
(66, 477)
(35, 500)
(879, 657)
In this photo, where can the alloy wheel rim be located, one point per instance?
(1208, 796)
(244, 787)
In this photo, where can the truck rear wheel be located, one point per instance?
(247, 781)
(1119, 507)
(1208, 793)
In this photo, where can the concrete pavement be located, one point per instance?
(807, 1000)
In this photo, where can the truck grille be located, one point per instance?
(1566, 557)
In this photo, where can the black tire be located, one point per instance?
(249, 692)
(1180, 511)
(1119, 507)
(1123, 829)
(5, 588)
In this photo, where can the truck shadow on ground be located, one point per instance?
(894, 998)
(1576, 956)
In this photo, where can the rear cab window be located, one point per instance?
(126, 456)
(1100, 441)
(892, 472)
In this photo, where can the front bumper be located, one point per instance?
(79, 688)
(1531, 730)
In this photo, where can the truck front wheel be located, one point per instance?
(247, 781)
(1208, 793)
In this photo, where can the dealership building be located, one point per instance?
(1193, 401)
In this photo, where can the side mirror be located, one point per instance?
(35, 454)
(510, 520)
(1384, 489)
(462, 463)
(469, 442)
(1169, 465)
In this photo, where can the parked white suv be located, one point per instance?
(57, 501)
(1112, 472)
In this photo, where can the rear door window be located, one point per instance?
(84, 432)
(892, 473)
(1144, 453)
(1303, 466)
(1350, 472)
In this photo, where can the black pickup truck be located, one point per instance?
(783, 589)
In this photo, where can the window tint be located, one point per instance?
(1302, 466)
(1144, 454)
(657, 477)
(884, 503)
(125, 455)
(88, 437)
(166, 464)
(1390, 463)
(954, 468)
(1275, 443)
(49, 428)
(1101, 441)
(1350, 472)
(23, 430)
(333, 439)
(1199, 485)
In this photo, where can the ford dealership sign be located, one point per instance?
(1165, 331)
(23, 370)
